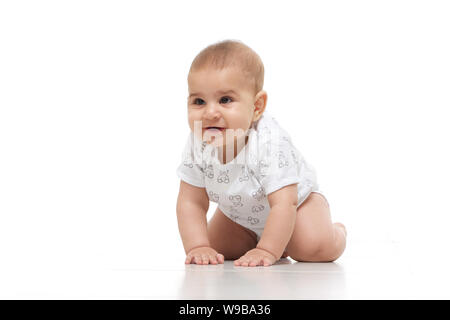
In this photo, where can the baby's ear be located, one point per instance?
(260, 103)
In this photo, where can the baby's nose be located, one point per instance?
(212, 112)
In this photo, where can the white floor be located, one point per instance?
(366, 271)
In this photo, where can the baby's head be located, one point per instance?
(225, 91)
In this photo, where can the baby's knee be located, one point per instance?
(313, 249)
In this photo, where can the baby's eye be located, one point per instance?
(198, 101)
(225, 100)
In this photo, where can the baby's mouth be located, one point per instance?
(214, 129)
(213, 134)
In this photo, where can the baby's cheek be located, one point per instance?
(196, 127)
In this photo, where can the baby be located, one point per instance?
(269, 203)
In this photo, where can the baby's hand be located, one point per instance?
(256, 257)
(204, 255)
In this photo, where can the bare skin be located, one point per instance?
(314, 239)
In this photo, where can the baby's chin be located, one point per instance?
(220, 138)
(214, 142)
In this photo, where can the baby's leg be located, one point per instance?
(315, 237)
(228, 237)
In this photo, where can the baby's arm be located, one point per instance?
(278, 228)
(192, 207)
(281, 221)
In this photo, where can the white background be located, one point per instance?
(93, 121)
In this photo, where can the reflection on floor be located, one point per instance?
(365, 271)
(284, 280)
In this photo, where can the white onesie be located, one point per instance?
(267, 163)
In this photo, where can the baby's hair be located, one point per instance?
(232, 53)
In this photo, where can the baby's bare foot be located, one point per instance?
(340, 225)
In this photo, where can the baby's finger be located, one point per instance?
(213, 259)
(267, 262)
(198, 260)
(188, 259)
(220, 257)
(205, 259)
(244, 262)
(240, 261)
(254, 262)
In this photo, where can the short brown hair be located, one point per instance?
(234, 53)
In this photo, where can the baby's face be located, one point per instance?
(220, 104)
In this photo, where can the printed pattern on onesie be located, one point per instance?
(240, 187)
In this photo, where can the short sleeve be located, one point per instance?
(190, 170)
(278, 164)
